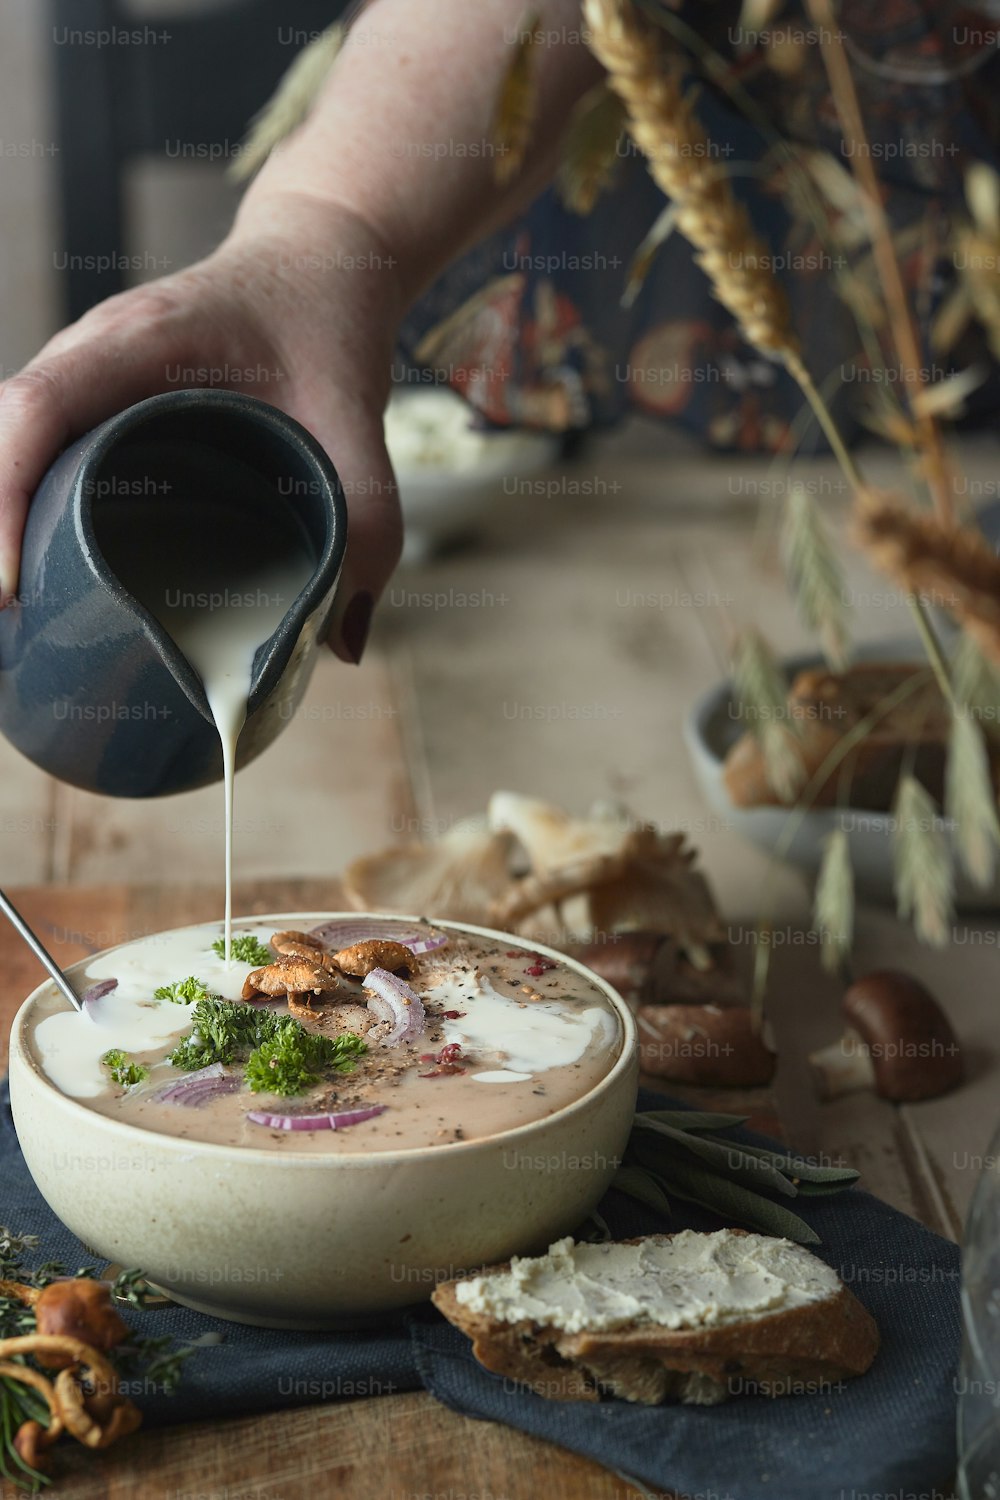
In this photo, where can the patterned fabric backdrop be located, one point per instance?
(530, 326)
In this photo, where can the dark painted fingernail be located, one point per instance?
(356, 624)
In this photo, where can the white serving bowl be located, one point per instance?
(296, 1240)
(450, 474)
(711, 729)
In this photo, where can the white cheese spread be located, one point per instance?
(686, 1280)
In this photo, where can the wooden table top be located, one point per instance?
(409, 1445)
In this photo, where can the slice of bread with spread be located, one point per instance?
(690, 1317)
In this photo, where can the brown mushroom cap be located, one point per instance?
(704, 1044)
(651, 968)
(302, 945)
(914, 1052)
(81, 1309)
(30, 1443)
(290, 975)
(374, 953)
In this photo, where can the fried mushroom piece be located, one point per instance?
(375, 953)
(291, 975)
(302, 945)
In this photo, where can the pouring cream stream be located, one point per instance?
(219, 581)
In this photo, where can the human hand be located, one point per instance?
(298, 306)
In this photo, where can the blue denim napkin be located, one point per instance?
(890, 1430)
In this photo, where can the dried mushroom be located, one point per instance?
(459, 876)
(551, 838)
(95, 1420)
(79, 1309)
(658, 889)
(536, 869)
(31, 1438)
(84, 1399)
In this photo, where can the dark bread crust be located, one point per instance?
(798, 1351)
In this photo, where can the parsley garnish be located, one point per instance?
(280, 1055)
(123, 1069)
(246, 950)
(182, 991)
(221, 1029)
(290, 1061)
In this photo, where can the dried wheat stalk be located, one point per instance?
(290, 104)
(663, 124)
(954, 566)
(934, 461)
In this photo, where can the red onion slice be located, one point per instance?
(97, 992)
(199, 1087)
(337, 935)
(392, 999)
(338, 1120)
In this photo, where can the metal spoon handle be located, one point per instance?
(40, 951)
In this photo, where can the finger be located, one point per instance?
(114, 357)
(355, 445)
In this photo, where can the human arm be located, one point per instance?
(345, 225)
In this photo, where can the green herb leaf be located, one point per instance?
(221, 1028)
(736, 1203)
(246, 949)
(833, 907)
(123, 1070)
(182, 991)
(922, 863)
(691, 1119)
(294, 1059)
(724, 1157)
(665, 1159)
(762, 695)
(803, 1171)
(641, 1184)
(970, 799)
(282, 1057)
(814, 574)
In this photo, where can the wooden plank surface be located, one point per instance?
(404, 1447)
(419, 736)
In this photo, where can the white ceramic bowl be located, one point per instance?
(308, 1241)
(451, 474)
(710, 730)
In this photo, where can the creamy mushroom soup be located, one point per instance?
(328, 1036)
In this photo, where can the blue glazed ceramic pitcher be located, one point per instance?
(92, 687)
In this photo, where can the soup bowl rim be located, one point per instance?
(624, 1063)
